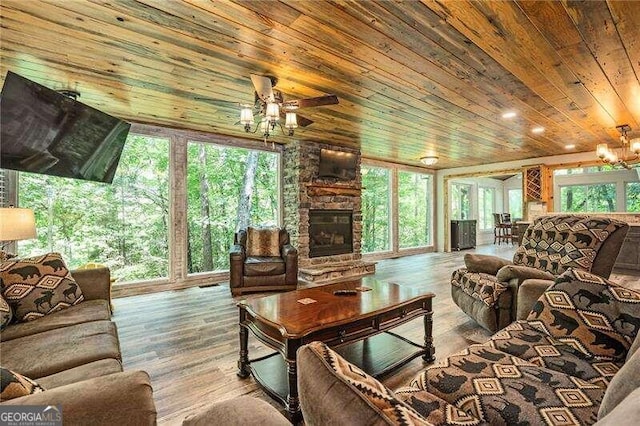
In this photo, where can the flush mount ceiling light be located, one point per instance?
(509, 114)
(429, 160)
(569, 146)
(537, 130)
(628, 152)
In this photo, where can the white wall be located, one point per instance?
(488, 168)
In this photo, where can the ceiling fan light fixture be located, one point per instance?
(634, 146)
(429, 160)
(601, 150)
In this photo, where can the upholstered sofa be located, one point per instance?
(542, 369)
(262, 259)
(74, 354)
(486, 288)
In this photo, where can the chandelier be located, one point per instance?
(622, 156)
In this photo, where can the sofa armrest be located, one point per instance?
(528, 294)
(485, 263)
(330, 392)
(290, 256)
(120, 398)
(521, 273)
(236, 266)
(94, 283)
(288, 250)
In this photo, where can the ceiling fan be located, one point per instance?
(270, 106)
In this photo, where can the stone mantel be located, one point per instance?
(317, 190)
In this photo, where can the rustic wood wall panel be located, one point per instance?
(412, 77)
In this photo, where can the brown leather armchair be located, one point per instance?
(487, 287)
(262, 259)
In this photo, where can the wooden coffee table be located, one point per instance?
(357, 327)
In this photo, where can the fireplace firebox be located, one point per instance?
(330, 232)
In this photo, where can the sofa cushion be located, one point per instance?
(263, 242)
(91, 310)
(590, 313)
(558, 242)
(56, 350)
(6, 313)
(37, 286)
(353, 396)
(433, 409)
(481, 286)
(259, 266)
(14, 385)
(525, 341)
(501, 389)
(82, 372)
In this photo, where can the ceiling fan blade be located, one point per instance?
(303, 121)
(263, 87)
(310, 102)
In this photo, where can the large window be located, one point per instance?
(227, 189)
(376, 230)
(414, 209)
(632, 196)
(123, 225)
(588, 198)
(486, 207)
(515, 203)
(460, 201)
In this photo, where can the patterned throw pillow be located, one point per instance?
(590, 313)
(14, 385)
(559, 242)
(371, 390)
(37, 286)
(263, 242)
(6, 313)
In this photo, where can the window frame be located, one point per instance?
(389, 209)
(395, 250)
(489, 225)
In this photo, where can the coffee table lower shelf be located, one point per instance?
(377, 355)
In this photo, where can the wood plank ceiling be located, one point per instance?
(412, 77)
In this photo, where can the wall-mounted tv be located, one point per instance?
(337, 164)
(43, 131)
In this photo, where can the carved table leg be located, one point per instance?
(428, 338)
(293, 403)
(243, 362)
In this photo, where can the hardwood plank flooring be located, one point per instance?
(187, 340)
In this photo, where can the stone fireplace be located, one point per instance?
(323, 216)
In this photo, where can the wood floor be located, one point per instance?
(187, 340)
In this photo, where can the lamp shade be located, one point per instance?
(601, 150)
(272, 112)
(17, 224)
(246, 116)
(291, 120)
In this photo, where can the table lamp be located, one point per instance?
(15, 224)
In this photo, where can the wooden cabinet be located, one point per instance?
(463, 234)
(628, 261)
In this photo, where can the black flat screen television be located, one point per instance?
(43, 131)
(337, 164)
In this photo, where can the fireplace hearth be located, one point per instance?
(330, 232)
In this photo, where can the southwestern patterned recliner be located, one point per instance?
(486, 288)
